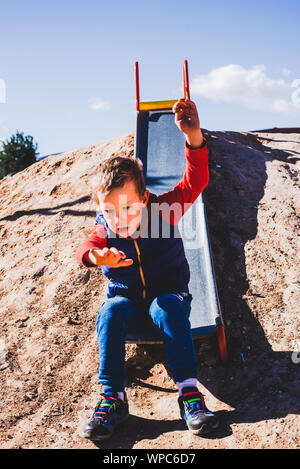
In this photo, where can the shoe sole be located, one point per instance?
(205, 428)
(104, 437)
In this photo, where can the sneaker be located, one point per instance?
(193, 410)
(108, 413)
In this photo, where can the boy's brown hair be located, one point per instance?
(115, 171)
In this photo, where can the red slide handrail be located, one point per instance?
(186, 86)
(137, 86)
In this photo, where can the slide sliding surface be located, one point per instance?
(160, 146)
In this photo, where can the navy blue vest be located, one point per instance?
(159, 261)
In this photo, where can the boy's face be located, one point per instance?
(122, 209)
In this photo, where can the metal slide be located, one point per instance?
(160, 145)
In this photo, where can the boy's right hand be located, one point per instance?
(110, 257)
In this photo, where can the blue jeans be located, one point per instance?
(168, 312)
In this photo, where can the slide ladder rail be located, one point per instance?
(157, 105)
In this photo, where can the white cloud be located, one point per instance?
(2, 91)
(251, 87)
(96, 104)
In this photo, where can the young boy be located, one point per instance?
(148, 275)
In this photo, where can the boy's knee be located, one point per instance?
(168, 301)
(165, 307)
(114, 309)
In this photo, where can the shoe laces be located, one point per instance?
(194, 402)
(107, 405)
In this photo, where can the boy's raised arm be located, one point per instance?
(174, 203)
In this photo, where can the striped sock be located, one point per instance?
(119, 395)
(190, 382)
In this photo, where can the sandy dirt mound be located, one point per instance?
(48, 348)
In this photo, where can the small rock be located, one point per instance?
(48, 253)
(22, 319)
(22, 324)
(38, 272)
(30, 395)
(57, 411)
(3, 366)
(82, 278)
(71, 321)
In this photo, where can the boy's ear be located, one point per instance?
(146, 196)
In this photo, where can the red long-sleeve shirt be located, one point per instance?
(193, 182)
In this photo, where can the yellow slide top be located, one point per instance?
(155, 105)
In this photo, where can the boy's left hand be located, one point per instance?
(187, 120)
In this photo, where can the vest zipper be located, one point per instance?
(140, 268)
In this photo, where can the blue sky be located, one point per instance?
(66, 69)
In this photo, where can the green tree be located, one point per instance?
(17, 153)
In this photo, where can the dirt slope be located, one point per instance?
(48, 349)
